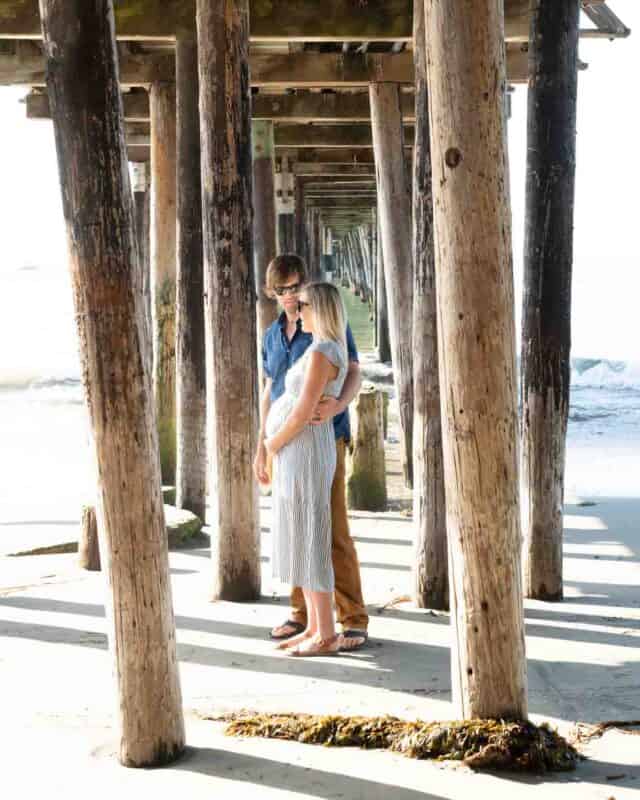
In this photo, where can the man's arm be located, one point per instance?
(329, 407)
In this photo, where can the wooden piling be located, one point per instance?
(430, 571)
(264, 219)
(382, 309)
(476, 339)
(548, 259)
(395, 226)
(366, 479)
(98, 208)
(88, 546)
(191, 400)
(162, 107)
(225, 131)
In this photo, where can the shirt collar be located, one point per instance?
(282, 321)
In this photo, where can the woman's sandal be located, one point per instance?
(318, 647)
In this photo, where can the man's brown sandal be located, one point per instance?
(318, 647)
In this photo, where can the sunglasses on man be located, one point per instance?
(282, 290)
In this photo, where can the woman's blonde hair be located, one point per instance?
(330, 316)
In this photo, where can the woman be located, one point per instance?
(304, 462)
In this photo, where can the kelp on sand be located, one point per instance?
(477, 743)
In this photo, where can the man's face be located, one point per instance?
(287, 293)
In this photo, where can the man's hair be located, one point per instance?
(281, 269)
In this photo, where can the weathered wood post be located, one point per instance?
(285, 207)
(191, 399)
(86, 109)
(141, 185)
(88, 545)
(382, 308)
(232, 381)
(430, 572)
(548, 259)
(265, 234)
(162, 107)
(395, 226)
(299, 217)
(476, 342)
(366, 479)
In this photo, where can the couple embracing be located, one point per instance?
(311, 371)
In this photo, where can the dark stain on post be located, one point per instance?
(452, 157)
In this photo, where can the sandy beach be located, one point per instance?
(583, 653)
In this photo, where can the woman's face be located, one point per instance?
(306, 313)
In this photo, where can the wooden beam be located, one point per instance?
(340, 136)
(297, 136)
(277, 20)
(298, 108)
(136, 105)
(332, 170)
(321, 107)
(22, 63)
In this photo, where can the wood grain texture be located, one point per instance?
(548, 260)
(191, 393)
(225, 135)
(430, 569)
(107, 287)
(476, 339)
(395, 226)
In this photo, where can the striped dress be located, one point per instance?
(303, 472)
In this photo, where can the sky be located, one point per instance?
(606, 273)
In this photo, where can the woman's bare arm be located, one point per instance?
(318, 373)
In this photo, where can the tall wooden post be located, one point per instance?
(476, 339)
(140, 179)
(548, 258)
(430, 573)
(225, 133)
(395, 225)
(162, 107)
(86, 109)
(191, 397)
(299, 216)
(265, 235)
(382, 308)
(285, 208)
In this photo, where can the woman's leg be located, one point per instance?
(325, 641)
(309, 631)
(322, 603)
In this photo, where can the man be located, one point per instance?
(284, 343)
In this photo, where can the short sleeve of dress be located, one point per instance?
(330, 350)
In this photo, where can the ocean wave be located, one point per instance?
(15, 380)
(605, 374)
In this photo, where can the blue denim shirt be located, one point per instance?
(279, 355)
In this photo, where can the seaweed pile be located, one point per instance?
(477, 743)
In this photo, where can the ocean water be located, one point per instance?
(45, 467)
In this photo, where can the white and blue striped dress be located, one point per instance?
(303, 472)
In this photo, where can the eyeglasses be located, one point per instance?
(301, 305)
(293, 289)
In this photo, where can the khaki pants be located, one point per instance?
(348, 589)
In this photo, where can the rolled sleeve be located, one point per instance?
(352, 350)
(265, 362)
